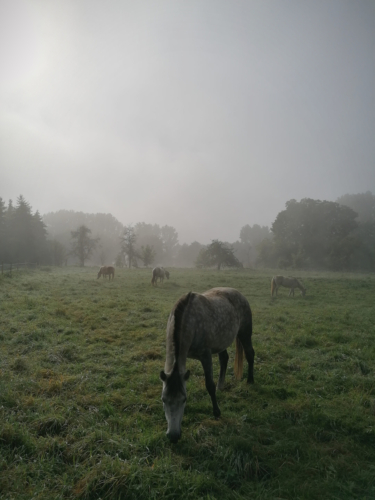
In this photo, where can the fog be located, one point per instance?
(202, 115)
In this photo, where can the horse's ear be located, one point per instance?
(187, 375)
(163, 376)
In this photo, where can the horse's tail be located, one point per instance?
(273, 286)
(238, 360)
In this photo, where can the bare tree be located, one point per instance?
(128, 241)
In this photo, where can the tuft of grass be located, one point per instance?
(19, 365)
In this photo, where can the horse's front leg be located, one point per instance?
(206, 360)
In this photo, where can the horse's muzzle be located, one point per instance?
(173, 436)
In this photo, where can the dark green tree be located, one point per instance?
(82, 245)
(39, 251)
(3, 232)
(217, 254)
(21, 233)
(313, 233)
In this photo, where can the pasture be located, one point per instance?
(80, 409)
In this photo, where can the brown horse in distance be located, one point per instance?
(107, 271)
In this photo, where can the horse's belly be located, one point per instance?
(222, 339)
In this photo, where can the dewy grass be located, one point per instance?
(80, 409)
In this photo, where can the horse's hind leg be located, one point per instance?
(223, 358)
(247, 345)
(206, 360)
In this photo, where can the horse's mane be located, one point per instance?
(178, 314)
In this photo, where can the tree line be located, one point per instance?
(23, 235)
(314, 234)
(307, 234)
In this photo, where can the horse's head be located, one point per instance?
(174, 400)
(166, 274)
(303, 292)
(99, 273)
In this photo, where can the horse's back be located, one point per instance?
(217, 315)
(229, 296)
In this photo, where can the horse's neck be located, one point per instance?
(170, 359)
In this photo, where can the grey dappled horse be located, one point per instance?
(198, 326)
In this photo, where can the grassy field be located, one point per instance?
(80, 409)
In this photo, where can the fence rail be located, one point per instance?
(17, 266)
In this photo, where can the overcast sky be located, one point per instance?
(203, 115)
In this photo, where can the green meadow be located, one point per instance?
(80, 409)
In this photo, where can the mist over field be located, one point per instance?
(202, 116)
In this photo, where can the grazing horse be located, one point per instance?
(107, 271)
(291, 283)
(198, 326)
(159, 272)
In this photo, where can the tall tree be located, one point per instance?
(169, 237)
(188, 254)
(128, 241)
(147, 255)
(39, 236)
(150, 234)
(3, 235)
(104, 226)
(58, 253)
(21, 231)
(82, 245)
(217, 254)
(23, 235)
(362, 203)
(250, 239)
(313, 233)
